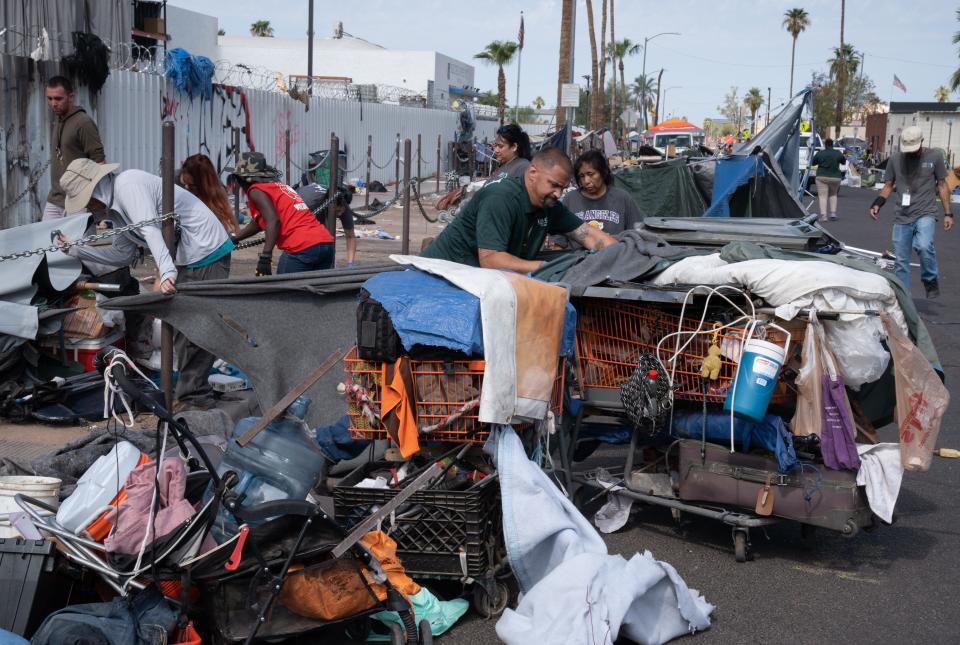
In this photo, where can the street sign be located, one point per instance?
(570, 95)
(630, 117)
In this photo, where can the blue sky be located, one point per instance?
(724, 43)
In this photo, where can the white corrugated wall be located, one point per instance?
(130, 110)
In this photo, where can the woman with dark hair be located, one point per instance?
(198, 176)
(511, 148)
(597, 201)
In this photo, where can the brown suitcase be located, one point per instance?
(816, 495)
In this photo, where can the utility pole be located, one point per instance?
(309, 54)
(768, 106)
(643, 98)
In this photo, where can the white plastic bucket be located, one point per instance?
(45, 489)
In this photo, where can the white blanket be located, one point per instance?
(574, 592)
(791, 286)
(881, 474)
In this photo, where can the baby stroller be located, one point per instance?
(232, 588)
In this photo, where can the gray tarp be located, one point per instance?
(276, 329)
(20, 278)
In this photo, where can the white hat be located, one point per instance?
(910, 139)
(79, 180)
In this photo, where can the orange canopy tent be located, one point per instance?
(674, 125)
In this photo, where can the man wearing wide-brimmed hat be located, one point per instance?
(287, 222)
(203, 246)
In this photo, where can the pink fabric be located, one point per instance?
(134, 512)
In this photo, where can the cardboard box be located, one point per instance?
(154, 25)
(953, 179)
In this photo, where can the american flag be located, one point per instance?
(520, 33)
(899, 84)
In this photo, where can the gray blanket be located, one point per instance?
(636, 255)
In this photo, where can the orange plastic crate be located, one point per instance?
(611, 336)
(442, 389)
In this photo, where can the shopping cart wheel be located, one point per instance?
(741, 545)
(359, 630)
(426, 632)
(490, 604)
(397, 634)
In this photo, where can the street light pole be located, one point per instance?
(643, 99)
(672, 87)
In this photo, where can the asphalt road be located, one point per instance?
(898, 584)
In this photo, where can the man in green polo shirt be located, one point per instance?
(504, 226)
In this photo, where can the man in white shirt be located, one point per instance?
(203, 246)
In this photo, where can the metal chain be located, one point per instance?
(385, 163)
(34, 180)
(110, 232)
(415, 186)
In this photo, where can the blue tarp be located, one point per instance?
(729, 176)
(771, 435)
(427, 310)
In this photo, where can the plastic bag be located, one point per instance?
(806, 420)
(856, 347)
(837, 430)
(922, 399)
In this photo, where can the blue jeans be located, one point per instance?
(919, 236)
(314, 258)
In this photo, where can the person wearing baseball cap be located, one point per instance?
(202, 253)
(918, 176)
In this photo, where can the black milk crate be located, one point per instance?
(439, 533)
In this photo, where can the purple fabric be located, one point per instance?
(134, 512)
(836, 434)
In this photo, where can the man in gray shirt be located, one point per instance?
(918, 176)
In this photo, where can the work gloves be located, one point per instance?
(264, 265)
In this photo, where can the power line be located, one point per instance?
(722, 62)
(911, 62)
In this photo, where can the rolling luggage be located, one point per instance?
(811, 495)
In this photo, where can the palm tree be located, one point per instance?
(955, 78)
(941, 94)
(841, 76)
(499, 53)
(539, 102)
(566, 42)
(601, 52)
(644, 86)
(595, 107)
(618, 50)
(850, 55)
(613, 97)
(262, 29)
(795, 21)
(753, 100)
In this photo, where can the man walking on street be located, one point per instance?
(918, 176)
(74, 136)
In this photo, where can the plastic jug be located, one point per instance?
(280, 462)
(756, 379)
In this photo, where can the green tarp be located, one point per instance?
(664, 189)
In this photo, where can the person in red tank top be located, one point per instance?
(287, 222)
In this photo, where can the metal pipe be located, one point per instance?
(405, 237)
(396, 170)
(366, 199)
(236, 162)
(332, 181)
(169, 238)
(309, 54)
(419, 156)
(286, 154)
(439, 143)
